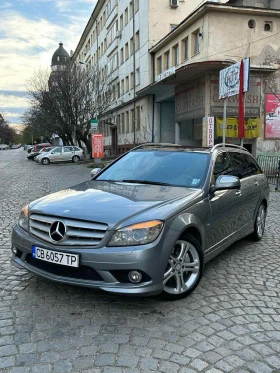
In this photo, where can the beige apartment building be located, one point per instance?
(186, 66)
(118, 38)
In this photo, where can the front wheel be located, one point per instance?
(259, 224)
(75, 159)
(184, 268)
(45, 161)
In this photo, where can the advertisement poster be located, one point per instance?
(272, 121)
(252, 128)
(97, 146)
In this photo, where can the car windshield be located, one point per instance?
(176, 168)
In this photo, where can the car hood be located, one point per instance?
(114, 203)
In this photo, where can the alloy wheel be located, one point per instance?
(260, 221)
(183, 268)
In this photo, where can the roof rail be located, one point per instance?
(228, 146)
(155, 144)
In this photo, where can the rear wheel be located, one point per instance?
(75, 159)
(184, 268)
(259, 225)
(45, 161)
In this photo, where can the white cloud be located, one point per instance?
(13, 101)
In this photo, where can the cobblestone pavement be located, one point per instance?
(231, 323)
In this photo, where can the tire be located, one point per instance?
(45, 161)
(75, 159)
(184, 268)
(259, 225)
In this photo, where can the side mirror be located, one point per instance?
(225, 182)
(95, 171)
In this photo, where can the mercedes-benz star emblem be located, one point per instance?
(57, 231)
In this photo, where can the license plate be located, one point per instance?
(70, 260)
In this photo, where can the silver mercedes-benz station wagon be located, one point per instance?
(148, 222)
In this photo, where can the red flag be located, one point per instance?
(241, 114)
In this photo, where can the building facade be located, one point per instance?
(118, 38)
(187, 63)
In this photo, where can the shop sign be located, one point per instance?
(97, 146)
(165, 74)
(190, 100)
(252, 128)
(272, 117)
(252, 99)
(210, 131)
(230, 78)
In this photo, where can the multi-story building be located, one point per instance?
(186, 67)
(118, 37)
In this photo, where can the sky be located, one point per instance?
(30, 32)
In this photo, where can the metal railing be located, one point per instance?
(271, 167)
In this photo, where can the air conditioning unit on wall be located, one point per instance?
(174, 3)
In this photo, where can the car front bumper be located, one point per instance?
(107, 267)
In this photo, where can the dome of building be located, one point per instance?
(60, 57)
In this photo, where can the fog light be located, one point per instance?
(134, 276)
(14, 250)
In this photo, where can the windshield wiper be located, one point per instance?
(142, 182)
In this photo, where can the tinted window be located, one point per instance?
(67, 149)
(76, 148)
(238, 165)
(252, 166)
(222, 165)
(176, 168)
(57, 150)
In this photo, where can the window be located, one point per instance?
(127, 121)
(110, 7)
(131, 46)
(126, 84)
(119, 123)
(166, 60)
(57, 151)
(121, 22)
(112, 33)
(131, 80)
(175, 52)
(238, 165)
(118, 90)
(222, 166)
(130, 10)
(121, 56)
(137, 40)
(126, 51)
(126, 16)
(122, 87)
(137, 76)
(251, 165)
(132, 119)
(137, 118)
(185, 49)
(122, 123)
(113, 63)
(58, 60)
(195, 42)
(136, 5)
(172, 27)
(159, 65)
(67, 149)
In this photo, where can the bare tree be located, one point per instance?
(7, 134)
(64, 102)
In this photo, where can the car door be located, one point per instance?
(240, 169)
(56, 155)
(225, 207)
(68, 153)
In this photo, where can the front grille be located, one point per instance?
(82, 273)
(78, 232)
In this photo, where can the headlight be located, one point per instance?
(23, 218)
(137, 234)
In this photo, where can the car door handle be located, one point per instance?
(238, 193)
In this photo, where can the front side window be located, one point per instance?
(57, 151)
(176, 168)
(238, 165)
(221, 166)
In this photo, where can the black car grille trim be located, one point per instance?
(82, 272)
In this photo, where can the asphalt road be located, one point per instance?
(231, 323)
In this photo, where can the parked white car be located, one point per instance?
(61, 154)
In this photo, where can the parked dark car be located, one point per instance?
(148, 222)
(33, 152)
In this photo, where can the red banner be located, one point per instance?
(97, 145)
